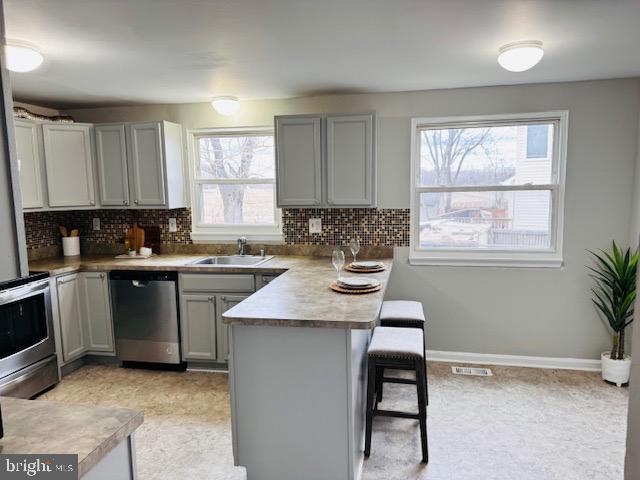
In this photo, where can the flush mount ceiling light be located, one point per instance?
(22, 56)
(520, 56)
(225, 105)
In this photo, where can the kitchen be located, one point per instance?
(197, 292)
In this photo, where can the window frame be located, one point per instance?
(206, 233)
(551, 257)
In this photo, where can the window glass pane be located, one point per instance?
(233, 157)
(251, 204)
(537, 141)
(481, 156)
(511, 220)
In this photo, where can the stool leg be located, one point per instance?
(371, 393)
(379, 383)
(422, 406)
(426, 381)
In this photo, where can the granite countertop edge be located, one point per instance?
(101, 451)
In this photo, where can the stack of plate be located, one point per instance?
(365, 267)
(356, 285)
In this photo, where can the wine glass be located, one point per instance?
(354, 245)
(337, 259)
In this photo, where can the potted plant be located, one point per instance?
(615, 293)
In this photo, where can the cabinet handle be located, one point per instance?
(124, 202)
(135, 201)
(210, 299)
(92, 202)
(102, 275)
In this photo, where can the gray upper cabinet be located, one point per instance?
(30, 163)
(326, 160)
(350, 164)
(69, 164)
(299, 160)
(156, 165)
(111, 158)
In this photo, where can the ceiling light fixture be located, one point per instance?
(22, 56)
(226, 105)
(520, 56)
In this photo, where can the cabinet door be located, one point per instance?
(146, 161)
(30, 163)
(198, 325)
(67, 154)
(111, 157)
(350, 162)
(225, 302)
(70, 314)
(299, 161)
(94, 287)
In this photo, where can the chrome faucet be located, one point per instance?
(242, 242)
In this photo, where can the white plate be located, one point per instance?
(367, 264)
(359, 282)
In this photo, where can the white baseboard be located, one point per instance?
(585, 364)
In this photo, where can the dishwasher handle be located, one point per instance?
(140, 283)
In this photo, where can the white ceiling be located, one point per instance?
(116, 52)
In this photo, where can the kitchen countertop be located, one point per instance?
(299, 298)
(38, 426)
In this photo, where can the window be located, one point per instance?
(537, 141)
(478, 199)
(233, 190)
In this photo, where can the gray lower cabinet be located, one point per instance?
(198, 322)
(225, 302)
(203, 300)
(94, 288)
(326, 160)
(82, 312)
(72, 335)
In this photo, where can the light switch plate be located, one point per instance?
(96, 223)
(315, 225)
(173, 225)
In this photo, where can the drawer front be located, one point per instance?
(194, 282)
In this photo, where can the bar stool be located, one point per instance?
(400, 349)
(402, 314)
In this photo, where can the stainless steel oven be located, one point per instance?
(27, 348)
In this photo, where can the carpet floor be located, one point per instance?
(520, 424)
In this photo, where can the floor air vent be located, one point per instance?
(478, 372)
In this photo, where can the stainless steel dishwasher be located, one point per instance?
(145, 316)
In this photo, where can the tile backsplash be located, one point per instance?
(42, 227)
(374, 227)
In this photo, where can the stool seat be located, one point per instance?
(401, 310)
(390, 342)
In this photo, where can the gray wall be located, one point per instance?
(544, 312)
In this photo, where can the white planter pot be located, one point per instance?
(615, 371)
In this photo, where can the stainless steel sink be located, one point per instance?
(232, 260)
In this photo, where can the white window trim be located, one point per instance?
(201, 233)
(551, 258)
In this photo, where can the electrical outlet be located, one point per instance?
(315, 225)
(96, 223)
(173, 225)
